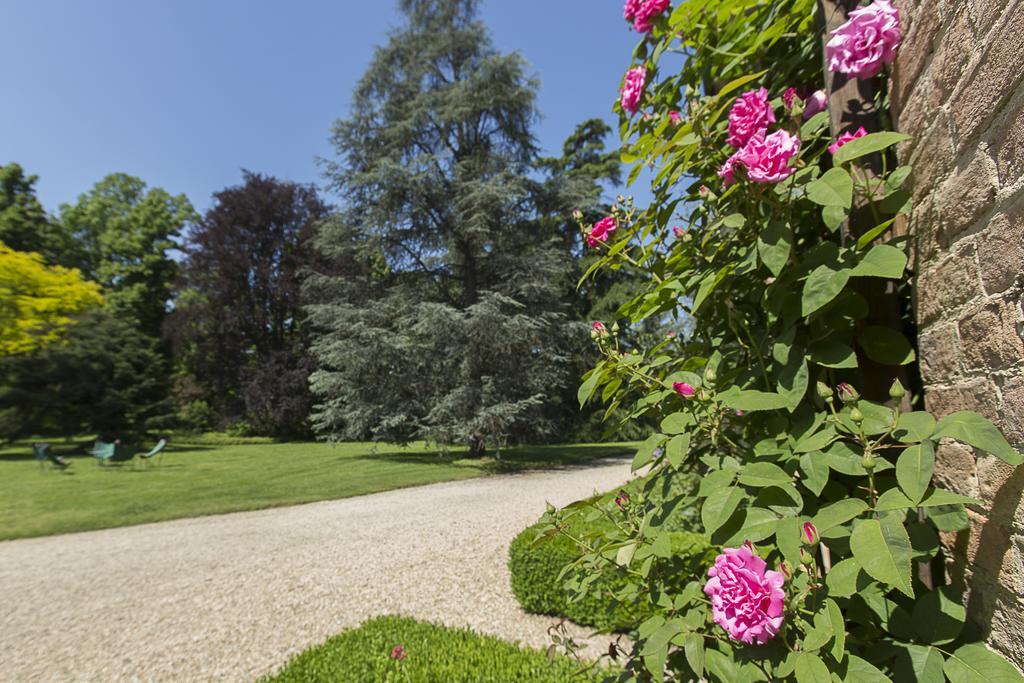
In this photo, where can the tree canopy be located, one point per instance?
(460, 333)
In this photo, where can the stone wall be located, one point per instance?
(957, 89)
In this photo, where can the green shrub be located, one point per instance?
(536, 567)
(433, 653)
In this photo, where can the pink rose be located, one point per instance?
(675, 117)
(767, 159)
(643, 12)
(846, 137)
(818, 101)
(683, 389)
(398, 653)
(867, 40)
(750, 115)
(633, 88)
(678, 232)
(601, 231)
(789, 98)
(599, 328)
(727, 172)
(810, 533)
(747, 601)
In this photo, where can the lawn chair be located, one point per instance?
(44, 455)
(122, 453)
(157, 449)
(103, 451)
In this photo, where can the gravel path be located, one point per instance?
(231, 597)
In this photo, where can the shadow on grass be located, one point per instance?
(511, 460)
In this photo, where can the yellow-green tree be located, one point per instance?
(38, 301)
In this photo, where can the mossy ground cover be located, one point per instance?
(215, 474)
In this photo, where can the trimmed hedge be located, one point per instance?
(535, 566)
(433, 653)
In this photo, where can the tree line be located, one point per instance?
(435, 298)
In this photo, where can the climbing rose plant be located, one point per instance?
(820, 500)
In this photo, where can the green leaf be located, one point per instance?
(948, 517)
(793, 380)
(676, 423)
(871, 235)
(693, 647)
(835, 617)
(921, 664)
(835, 188)
(884, 260)
(815, 469)
(717, 509)
(833, 217)
(861, 671)
(882, 548)
(938, 618)
(913, 427)
(837, 513)
(760, 474)
(816, 441)
(833, 354)
(842, 580)
(586, 389)
(822, 286)
(757, 525)
(677, 449)
(715, 481)
(974, 430)
(751, 400)
(774, 245)
(869, 144)
(914, 470)
(811, 669)
(788, 538)
(645, 453)
(886, 346)
(974, 663)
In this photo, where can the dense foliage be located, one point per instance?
(399, 650)
(457, 332)
(24, 223)
(237, 324)
(37, 301)
(784, 231)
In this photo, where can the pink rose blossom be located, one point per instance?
(767, 159)
(683, 389)
(846, 137)
(810, 533)
(727, 172)
(599, 327)
(675, 117)
(818, 101)
(749, 116)
(398, 653)
(622, 500)
(601, 231)
(643, 12)
(633, 88)
(867, 40)
(678, 232)
(747, 601)
(789, 98)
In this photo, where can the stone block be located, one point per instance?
(1001, 249)
(995, 77)
(989, 336)
(956, 469)
(939, 351)
(968, 194)
(1005, 138)
(951, 283)
(932, 158)
(978, 394)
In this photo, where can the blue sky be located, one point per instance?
(185, 94)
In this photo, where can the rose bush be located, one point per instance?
(821, 498)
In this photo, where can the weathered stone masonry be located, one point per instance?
(957, 89)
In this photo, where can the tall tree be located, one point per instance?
(24, 224)
(462, 338)
(126, 233)
(238, 324)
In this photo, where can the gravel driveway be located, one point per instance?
(231, 597)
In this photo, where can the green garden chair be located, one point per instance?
(44, 455)
(157, 449)
(103, 451)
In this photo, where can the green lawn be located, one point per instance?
(204, 477)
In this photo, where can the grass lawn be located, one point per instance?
(203, 477)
